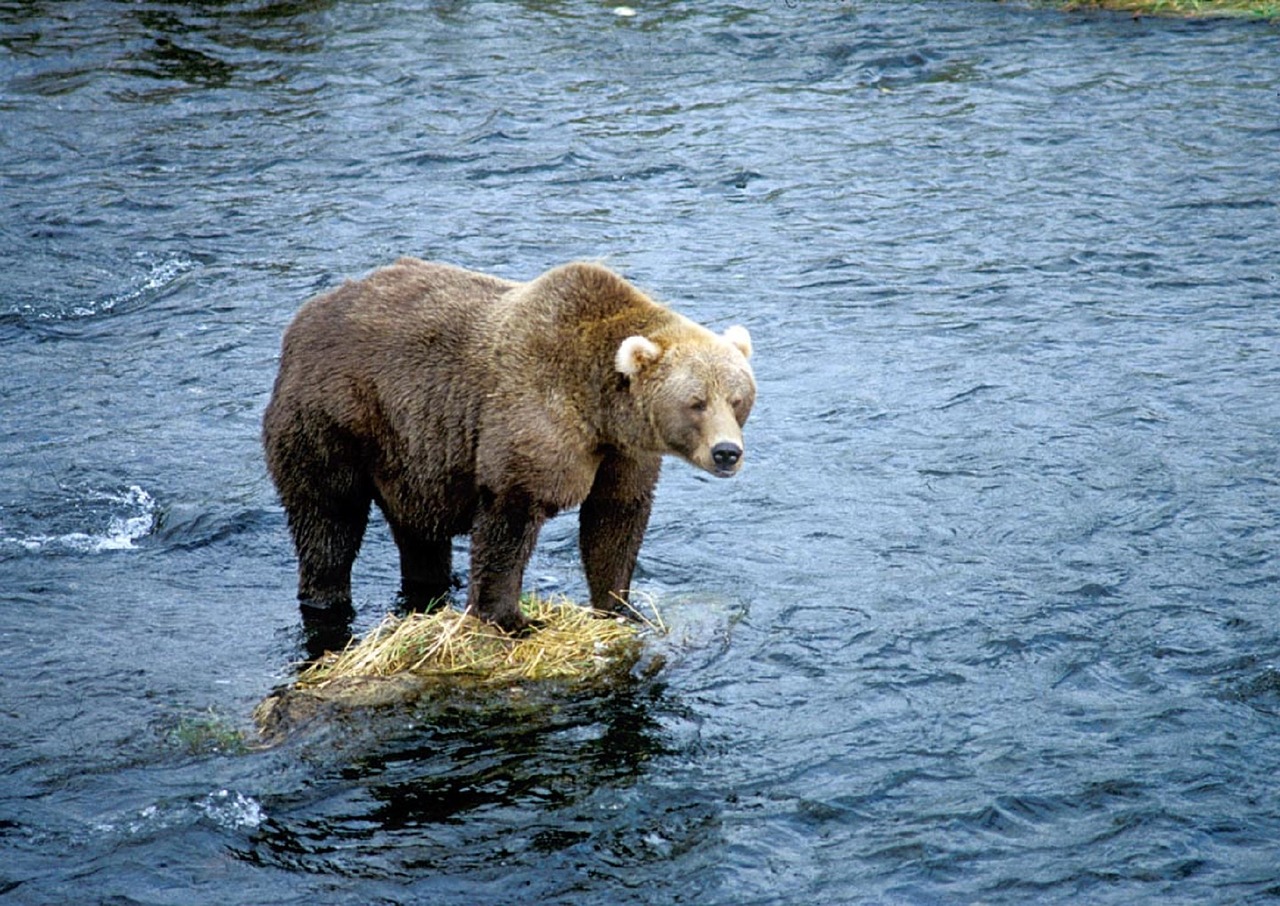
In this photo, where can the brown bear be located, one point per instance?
(464, 403)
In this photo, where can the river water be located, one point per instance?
(990, 614)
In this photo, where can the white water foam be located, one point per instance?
(231, 810)
(132, 518)
(158, 275)
(228, 810)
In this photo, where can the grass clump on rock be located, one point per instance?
(436, 655)
(449, 659)
(1259, 9)
(568, 642)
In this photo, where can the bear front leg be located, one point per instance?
(502, 539)
(611, 525)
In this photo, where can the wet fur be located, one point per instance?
(463, 403)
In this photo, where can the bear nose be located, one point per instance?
(726, 455)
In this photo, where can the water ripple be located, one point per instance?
(987, 618)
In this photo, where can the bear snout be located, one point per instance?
(726, 456)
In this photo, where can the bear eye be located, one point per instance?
(698, 405)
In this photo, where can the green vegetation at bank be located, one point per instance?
(1255, 9)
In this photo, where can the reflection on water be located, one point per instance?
(988, 616)
(460, 779)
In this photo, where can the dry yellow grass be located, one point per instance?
(571, 643)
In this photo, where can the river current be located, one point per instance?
(989, 615)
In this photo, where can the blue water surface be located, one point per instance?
(989, 616)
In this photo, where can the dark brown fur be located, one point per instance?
(463, 403)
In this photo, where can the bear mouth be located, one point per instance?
(723, 471)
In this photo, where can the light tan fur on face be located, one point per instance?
(698, 389)
(737, 335)
(634, 353)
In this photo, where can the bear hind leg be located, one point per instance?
(326, 497)
(426, 568)
(327, 539)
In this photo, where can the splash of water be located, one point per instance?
(132, 517)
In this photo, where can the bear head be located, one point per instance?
(694, 389)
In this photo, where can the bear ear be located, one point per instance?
(737, 335)
(634, 353)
